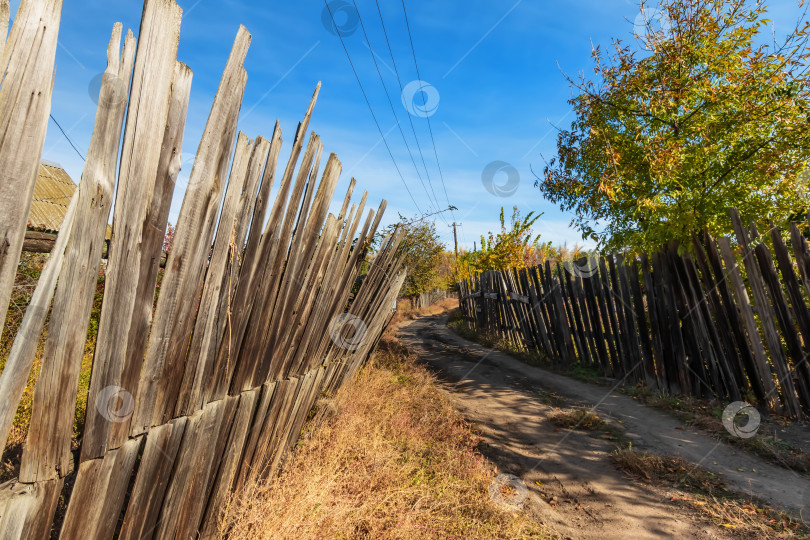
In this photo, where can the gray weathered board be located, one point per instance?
(203, 390)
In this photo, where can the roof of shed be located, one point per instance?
(52, 194)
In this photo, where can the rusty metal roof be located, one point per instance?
(52, 194)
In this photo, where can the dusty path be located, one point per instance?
(591, 498)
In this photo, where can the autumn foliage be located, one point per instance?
(704, 110)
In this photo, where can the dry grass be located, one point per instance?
(405, 313)
(26, 279)
(587, 420)
(707, 494)
(392, 460)
(706, 415)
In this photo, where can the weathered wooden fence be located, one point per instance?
(429, 298)
(191, 396)
(725, 321)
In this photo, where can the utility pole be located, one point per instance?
(455, 238)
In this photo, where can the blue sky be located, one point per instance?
(494, 67)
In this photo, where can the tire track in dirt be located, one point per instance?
(574, 487)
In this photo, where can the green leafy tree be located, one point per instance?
(422, 250)
(512, 247)
(708, 113)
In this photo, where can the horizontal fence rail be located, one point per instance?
(723, 320)
(203, 383)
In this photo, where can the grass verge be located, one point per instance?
(702, 491)
(393, 459)
(704, 415)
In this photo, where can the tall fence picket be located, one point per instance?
(679, 321)
(254, 318)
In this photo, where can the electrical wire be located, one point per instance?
(402, 90)
(393, 111)
(427, 117)
(365, 97)
(68, 138)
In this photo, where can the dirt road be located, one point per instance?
(573, 483)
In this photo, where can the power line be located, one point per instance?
(427, 117)
(402, 90)
(356, 76)
(391, 104)
(66, 137)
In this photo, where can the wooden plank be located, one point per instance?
(507, 308)
(184, 501)
(98, 494)
(5, 13)
(218, 440)
(159, 455)
(135, 272)
(27, 510)
(784, 314)
(310, 389)
(682, 324)
(656, 325)
(745, 352)
(673, 346)
(702, 361)
(174, 315)
(343, 272)
(746, 312)
(731, 362)
(527, 313)
(130, 257)
(272, 426)
(15, 373)
(537, 311)
(308, 343)
(800, 250)
(640, 313)
(588, 319)
(284, 428)
(578, 328)
(589, 285)
(636, 372)
(383, 266)
(25, 103)
(229, 467)
(766, 315)
(268, 391)
(628, 355)
(212, 313)
(797, 302)
(252, 295)
(731, 385)
(254, 371)
(609, 317)
(562, 318)
(260, 344)
(298, 289)
(546, 310)
(47, 450)
(241, 305)
(38, 242)
(292, 360)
